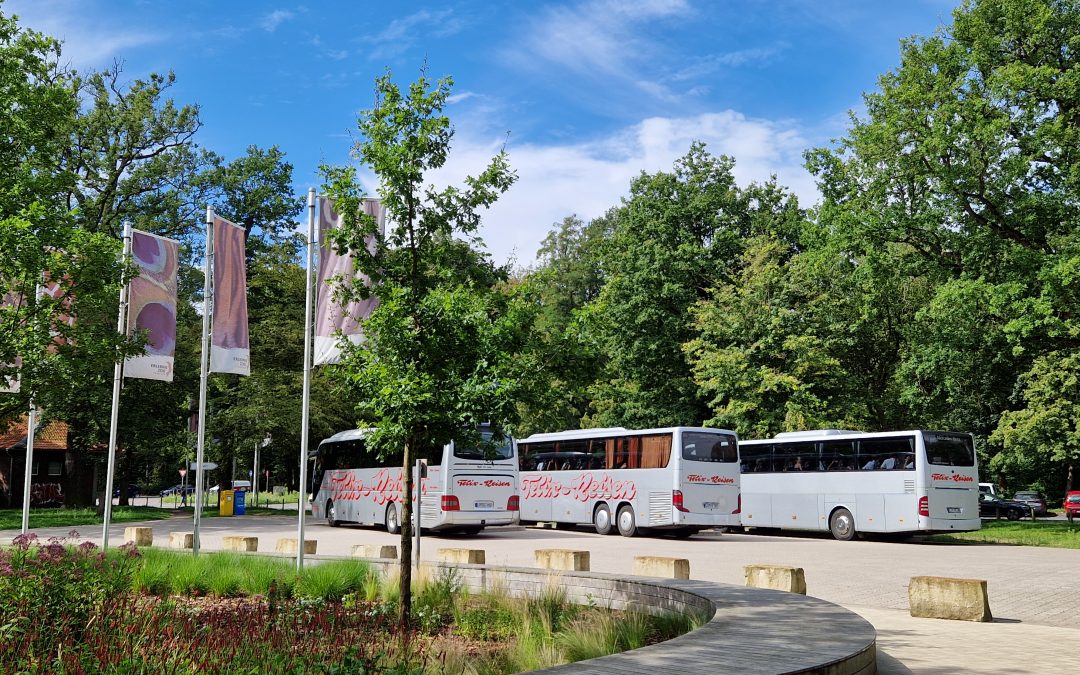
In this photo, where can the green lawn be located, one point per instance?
(1057, 534)
(11, 519)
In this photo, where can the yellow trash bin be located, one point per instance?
(225, 506)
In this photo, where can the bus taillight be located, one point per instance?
(738, 505)
(450, 503)
(924, 506)
(677, 501)
(512, 503)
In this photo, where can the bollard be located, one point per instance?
(777, 577)
(562, 559)
(463, 556)
(288, 545)
(142, 536)
(659, 566)
(948, 598)
(374, 551)
(181, 539)
(235, 543)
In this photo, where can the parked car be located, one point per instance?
(178, 489)
(988, 487)
(1072, 504)
(989, 505)
(1035, 500)
(237, 485)
(132, 491)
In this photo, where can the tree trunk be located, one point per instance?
(1069, 479)
(405, 565)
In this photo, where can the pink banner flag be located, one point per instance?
(152, 305)
(333, 321)
(230, 350)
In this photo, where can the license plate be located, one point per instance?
(711, 505)
(484, 505)
(955, 509)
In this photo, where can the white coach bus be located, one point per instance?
(846, 482)
(679, 480)
(464, 490)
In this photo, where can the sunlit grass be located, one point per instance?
(1055, 534)
(11, 519)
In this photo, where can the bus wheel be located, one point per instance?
(601, 519)
(842, 525)
(627, 522)
(391, 520)
(331, 515)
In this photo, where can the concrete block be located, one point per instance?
(778, 577)
(181, 539)
(142, 536)
(237, 543)
(948, 598)
(562, 559)
(463, 556)
(374, 551)
(659, 566)
(288, 545)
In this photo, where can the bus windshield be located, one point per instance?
(488, 449)
(703, 447)
(944, 449)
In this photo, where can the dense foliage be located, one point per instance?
(935, 286)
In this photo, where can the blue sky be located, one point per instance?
(591, 92)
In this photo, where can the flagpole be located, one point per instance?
(306, 397)
(29, 465)
(118, 378)
(203, 374)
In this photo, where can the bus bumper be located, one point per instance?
(681, 519)
(949, 525)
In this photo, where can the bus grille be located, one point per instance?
(909, 487)
(659, 508)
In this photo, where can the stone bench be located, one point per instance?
(288, 545)
(562, 559)
(463, 556)
(776, 577)
(375, 551)
(659, 566)
(948, 598)
(142, 536)
(181, 539)
(236, 543)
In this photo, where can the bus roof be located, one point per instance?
(613, 431)
(814, 433)
(348, 435)
(829, 434)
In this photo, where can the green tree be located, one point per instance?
(438, 358)
(967, 158)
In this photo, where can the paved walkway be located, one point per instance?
(1034, 592)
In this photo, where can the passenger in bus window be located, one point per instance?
(889, 463)
(870, 465)
(798, 465)
(909, 461)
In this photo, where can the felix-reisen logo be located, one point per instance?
(956, 477)
(712, 480)
(490, 482)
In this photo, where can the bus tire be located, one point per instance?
(331, 515)
(391, 520)
(602, 519)
(842, 525)
(627, 521)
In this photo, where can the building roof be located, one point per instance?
(52, 437)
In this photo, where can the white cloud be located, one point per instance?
(271, 21)
(89, 40)
(586, 179)
(402, 33)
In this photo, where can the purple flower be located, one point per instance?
(23, 541)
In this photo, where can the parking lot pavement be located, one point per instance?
(1032, 599)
